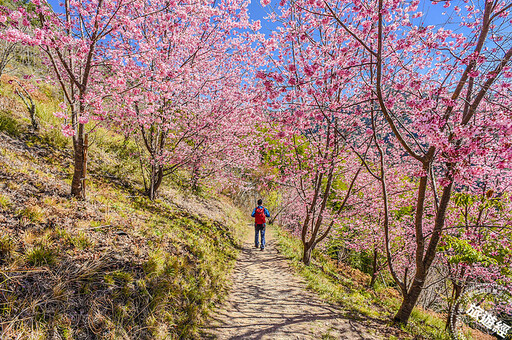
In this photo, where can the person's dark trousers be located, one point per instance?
(259, 229)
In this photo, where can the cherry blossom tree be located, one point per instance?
(178, 68)
(185, 74)
(77, 44)
(310, 157)
(477, 244)
(443, 95)
(455, 107)
(11, 15)
(313, 113)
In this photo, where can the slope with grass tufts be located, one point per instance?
(116, 266)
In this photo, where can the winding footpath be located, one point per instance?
(268, 301)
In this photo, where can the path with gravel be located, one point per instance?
(268, 301)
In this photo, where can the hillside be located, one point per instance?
(115, 266)
(136, 136)
(120, 266)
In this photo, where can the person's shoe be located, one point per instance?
(262, 249)
(256, 246)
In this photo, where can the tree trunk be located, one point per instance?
(80, 164)
(372, 281)
(195, 181)
(456, 292)
(33, 119)
(374, 268)
(409, 301)
(155, 180)
(84, 167)
(306, 256)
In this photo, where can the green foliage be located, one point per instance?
(121, 280)
(491, 252)
(485, 202)
(361, 260)
(424, 322)
(9, 124)
(41, 255)
(273, 200)
(339, 287)
(65, 332)
(463, 199)
(461, 251)
(403, 212)
(47, 103)
(54, 137)
(79, 240)
(7, 246)
(113, 148)
(5, 202)
(339, 187)
(275, 156)
(51, 133)
(32, 212)
(16, 4)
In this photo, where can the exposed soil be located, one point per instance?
(268, 301)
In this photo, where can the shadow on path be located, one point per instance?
(267, 301)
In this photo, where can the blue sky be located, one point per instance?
(433, 13)
(257, 12)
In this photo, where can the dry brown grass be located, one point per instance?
(8, 80)
(85, 269)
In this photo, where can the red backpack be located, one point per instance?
(259, 215)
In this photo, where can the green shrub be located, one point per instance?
(121, 281)
(362, 260)
(119, 277)
(80, 240)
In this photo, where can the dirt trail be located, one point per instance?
(267, 301)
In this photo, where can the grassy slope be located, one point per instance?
(116, 266)
(348, 287)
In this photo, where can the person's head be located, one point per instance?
(260, 202)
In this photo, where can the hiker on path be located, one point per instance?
(259, 213)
